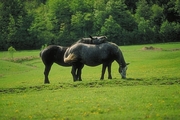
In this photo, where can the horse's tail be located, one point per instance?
(70, 58)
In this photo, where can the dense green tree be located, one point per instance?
(2, 32)
(143, 10)
(118, 10)
(112, 30)
(171, 11)
(82, 24)
(82, 6)
(29, 24)
(177, 6)
(60, 17)
(100, 15)
(170, 32)
(11, 30)
(99, 19)
(157, 16)
(145, 32)
(41, 26)
(131, 5)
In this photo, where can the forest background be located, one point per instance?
(29, 24)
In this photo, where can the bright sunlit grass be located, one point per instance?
(151, 90)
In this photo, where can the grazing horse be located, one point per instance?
(55, 54)
(93, 55)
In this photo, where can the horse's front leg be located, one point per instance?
(109, 71)
(103, 71)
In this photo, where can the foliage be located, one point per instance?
(111, 29)
(43, 46)
(170, 31)
(11, 51)
(29, 24)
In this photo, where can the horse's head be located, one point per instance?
(98, 39)
(123, 70)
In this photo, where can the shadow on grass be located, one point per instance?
(137, 79)
(94, 84)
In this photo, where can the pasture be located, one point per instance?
(151, 90)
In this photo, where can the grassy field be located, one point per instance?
(151, 90)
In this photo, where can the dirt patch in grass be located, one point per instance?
(151, 48)
(21, 59)
(159, 49)
(174, 49)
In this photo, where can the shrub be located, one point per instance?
(43, 46)
(11, 51)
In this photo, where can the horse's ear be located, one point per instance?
(90, 36)
(127, 63)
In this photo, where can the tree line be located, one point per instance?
(29, 24)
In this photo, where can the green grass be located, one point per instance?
(123, 102)
(151, 90)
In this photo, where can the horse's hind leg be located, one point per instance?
(46, 73)
(109, 71)
(79, 71)
(73, 72)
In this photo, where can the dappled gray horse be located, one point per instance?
(55, 54)
(93, 55)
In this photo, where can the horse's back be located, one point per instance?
(92, 49)
(54, 53)
(92, 55)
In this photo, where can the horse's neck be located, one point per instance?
(64, 49)
(123, 63)
(121, 60)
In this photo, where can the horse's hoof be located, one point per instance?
(75, 80)
(47, 83)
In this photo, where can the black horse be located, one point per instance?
(93, 55)
(54, 54)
